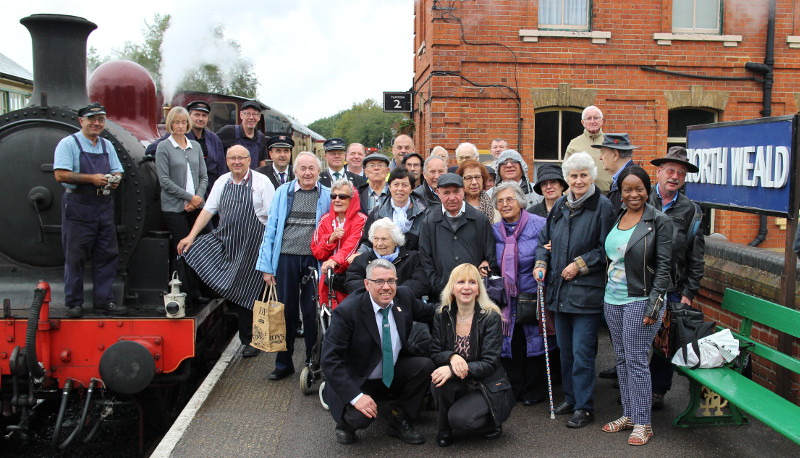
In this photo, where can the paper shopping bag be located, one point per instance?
(269, 324)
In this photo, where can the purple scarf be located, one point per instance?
(508, 267)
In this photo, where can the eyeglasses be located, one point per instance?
(593, 118)
(376, 239)
(238, 158)
(380, 282)
(672, 171)
(340, 196)
(508, 200)
(472, 178)
(251, 115)
(375, 165)
(507, 162)
(93, 119)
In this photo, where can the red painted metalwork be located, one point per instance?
(128, 92)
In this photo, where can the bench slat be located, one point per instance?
(771, 354)
(762, 311)
(766, 406)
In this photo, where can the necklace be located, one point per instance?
(463, 319)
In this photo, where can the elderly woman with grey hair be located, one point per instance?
(571, 258)
(387, 243)
(516, 236)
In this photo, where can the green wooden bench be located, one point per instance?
(729, 388)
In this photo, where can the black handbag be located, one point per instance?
(687, 325)
(527, 305)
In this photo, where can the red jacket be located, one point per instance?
(346, 246)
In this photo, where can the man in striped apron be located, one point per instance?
(225, 259)
(286, 252)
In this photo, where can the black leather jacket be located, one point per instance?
(688, 262)
(648, 258)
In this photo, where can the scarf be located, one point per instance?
(509, 265)
(389, 257)
(399, 216)
(575, 204)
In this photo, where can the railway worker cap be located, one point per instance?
(334, 144)
(375, 157)
(677, 154)
(92, 110)
(616, 141)
(199, 105)
(254, 104)
(280, 141)
(450, 179)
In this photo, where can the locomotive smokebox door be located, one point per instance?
(127, 367)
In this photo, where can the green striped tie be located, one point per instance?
(388, 355)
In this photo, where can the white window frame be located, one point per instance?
(562, 26)
(699, 30)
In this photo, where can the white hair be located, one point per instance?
(388, 224)
(307, 153)
(430, 158)
(468, 146)
(580, 161)
(583, 115)
(342, 182)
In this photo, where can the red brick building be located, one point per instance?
(524, 70)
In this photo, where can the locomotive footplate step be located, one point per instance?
(245, 414)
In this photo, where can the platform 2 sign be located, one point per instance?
(399, 102)
(744, 165)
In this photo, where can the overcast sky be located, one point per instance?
(313, 58)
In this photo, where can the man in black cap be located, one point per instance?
(688, 247)
(334, 157)
(213, 152)
(616, 153)
(374, 190)
(88, 168)
(454, 233)
(245, 134)
(279, 170)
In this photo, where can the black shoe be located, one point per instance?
(198, 301)
(494, 433)
(250, 351)
(111, 309)
(444, 438)
(345, 434)
(564, 408)
(400, 426)
(658, 401)
(580, 418)
(611, 372)
(279, 374)
(75, 312)
(532, 402)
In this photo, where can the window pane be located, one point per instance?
(3, 102)
(682, 12)
(546, 136)
(681, 118)
(571, 127)
(550, 12)
(564, 12)
(575, 12)
(706, 14)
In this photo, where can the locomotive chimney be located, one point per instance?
(59, 59)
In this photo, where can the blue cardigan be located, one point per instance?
(270, 251)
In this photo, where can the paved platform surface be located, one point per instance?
(245, 414)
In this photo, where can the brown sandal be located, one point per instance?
(640, 435)
(620, 424)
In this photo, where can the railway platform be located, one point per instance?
(242, 413)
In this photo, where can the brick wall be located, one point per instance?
(451, 107)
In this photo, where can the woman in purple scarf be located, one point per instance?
(516, 236)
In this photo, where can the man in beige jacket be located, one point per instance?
(592, 120)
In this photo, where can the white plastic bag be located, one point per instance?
(715, 351)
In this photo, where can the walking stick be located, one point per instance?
(540, 291)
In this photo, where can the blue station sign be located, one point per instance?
(744, 165)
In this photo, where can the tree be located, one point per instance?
(239, 79)
(364, 122)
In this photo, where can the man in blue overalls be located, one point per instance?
(246, 134)
(88, 168)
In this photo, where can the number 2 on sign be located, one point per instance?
(397, 104)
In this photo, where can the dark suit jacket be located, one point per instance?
(351, 349)
(326, 179)
(272, 174)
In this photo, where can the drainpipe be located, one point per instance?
(766, 70)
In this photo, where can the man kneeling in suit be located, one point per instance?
(367, 329)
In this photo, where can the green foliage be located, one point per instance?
(364, 123)
(206, 78)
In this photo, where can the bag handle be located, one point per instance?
(273, 295)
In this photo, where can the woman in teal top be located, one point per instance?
(639, 250)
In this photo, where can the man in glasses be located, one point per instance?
(285, 255)
(245, 133)
(592, 120)
(363, 357)
(511, 167)
(88, 168)
(225, 259)
(375, 190)
(688, 247)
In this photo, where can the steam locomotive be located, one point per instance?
(97, 361)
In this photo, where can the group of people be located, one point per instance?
(405, 240)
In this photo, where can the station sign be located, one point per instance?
(398, 102)
(744, 165)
